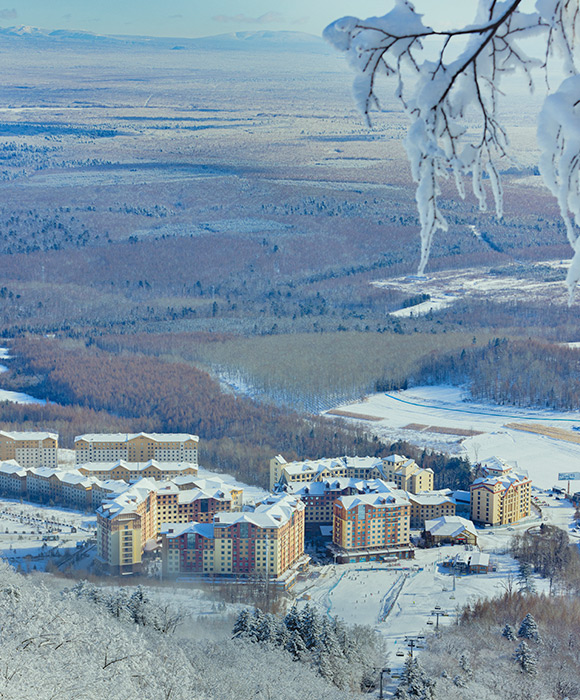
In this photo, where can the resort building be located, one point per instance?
(29, 449)
(124, 527)
(144, 507)
(403, 472)
(138, 447)
(266, 541)
(133, 471)
(500, 496)
(175, 505)
(289, 473)
(371, 526)
(319, 496)
(407, 475)
(450, 530)
(434, 504)
(12, 479)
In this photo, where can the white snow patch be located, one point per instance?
(445, 406)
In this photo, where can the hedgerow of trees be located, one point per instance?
(516, 372)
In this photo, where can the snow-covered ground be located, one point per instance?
(445, 407)
(25, 527)
(448, 286)
(400, 601)
(14, 396)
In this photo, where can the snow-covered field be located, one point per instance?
(448, 286)
(445, 407)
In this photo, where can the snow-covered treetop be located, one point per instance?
(466, 73)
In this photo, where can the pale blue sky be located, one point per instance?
(193, 18)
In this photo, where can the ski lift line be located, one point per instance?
(481, 413)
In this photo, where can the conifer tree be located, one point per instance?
(529, 629)
(243, 624)
(524, 657)
(509, 632)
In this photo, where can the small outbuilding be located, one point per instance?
(450, 529)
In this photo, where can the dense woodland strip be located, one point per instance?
(514, 372)
(135, 392)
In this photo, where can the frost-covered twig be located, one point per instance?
(436, 94)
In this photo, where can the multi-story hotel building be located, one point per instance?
(319, 496)
(133, 471)
(137, 447)
(125, 525)
(407, 475)
(59, 486)
(201, 504)
(283, 472)
(427, 506)
(368, 527)
(12, 479)
(144, 507)
(29, 449)
(267, 541)
(500, 496)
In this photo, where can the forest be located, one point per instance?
(139, 392)
(516, 646)
(90, 643)
(512, 372)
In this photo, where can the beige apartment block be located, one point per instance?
(500, 497)
(138, 447)
(29, 449)
(406, 474)
(283, 472)
(133, 471)
(429, 505)
(371, 521)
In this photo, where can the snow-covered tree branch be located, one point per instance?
(444, 74)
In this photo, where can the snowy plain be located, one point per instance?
(408, 415)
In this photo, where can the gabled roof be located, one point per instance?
(29, 435)
(376, 500)
(126, 437)
(449, 526)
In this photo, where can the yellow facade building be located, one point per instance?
(129, 521)
(125, 525)
(407, 475)
(404, 473)
(292, 473)
(500, 496)
(29, 449)
(137, 447)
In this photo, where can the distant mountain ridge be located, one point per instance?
(255, 40)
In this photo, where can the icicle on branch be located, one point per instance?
(466, 74)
